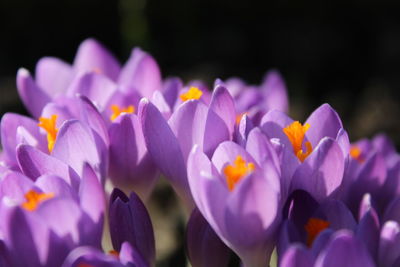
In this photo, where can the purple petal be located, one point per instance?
(35, 163)
(130, 164)
(164, 148)
(159, 101)
(129, 221)
(344, 250)
(14, 186)
(98, 88)
(368, 232)
(53, 75)
(208, 190)
(297, 256)
(33, 97)
(142, 73)
(324, 122)
(322, 172)
(273, 123)
(203, 245)
(275, 92)
(389, 244)
(56, 185)
(222, 104)
(130, 255)
(82, 256)
(170, 90)
(75, 145)
(16, 129)
(243, 129)
(93, 57)
(337, 214)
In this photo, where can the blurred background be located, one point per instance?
(345, 53)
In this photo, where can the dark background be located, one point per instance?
(344, 53)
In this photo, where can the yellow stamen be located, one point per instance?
(117, 111)
(192, 93)
(33, 199)
(234, 173)
(49, 125)
(296, 132)
(355, 153)
(313, 227)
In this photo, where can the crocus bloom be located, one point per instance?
(55, 78)
(129, 221)
(45, 219)
(255, 101)
(239, 198)
(169, 143)
(312, 154)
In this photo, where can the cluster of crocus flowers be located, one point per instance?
(253, 179)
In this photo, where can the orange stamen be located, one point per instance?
(114, 253)
(355, 153)
(239, 117)
(296, 132)
(117, 111)
(49, 125)
(192, 93)
(33, 199)
(313, 227)
(234, 173)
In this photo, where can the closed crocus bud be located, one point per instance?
(204, 247)
(130, 221)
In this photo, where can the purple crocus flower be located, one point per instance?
(55, 78)
(130, 221)
(239, 198)
(255, 101)
(169, 142)
(312, 155)
(204, 247)
(45, 219)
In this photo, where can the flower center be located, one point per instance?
(355, 153)
(117, 111)
(313, 227)
(33, 199)
(192, 93)
(114, 253)
(235, 172)
(49, 125)
(296, 132)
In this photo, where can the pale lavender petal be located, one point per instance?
(89, 256)
(297, 256)
(164, 148)
(33, 97)
(142, 73)
(273, 123)
(75, 145)
(35, 163)
(16, 129)
(53, 75)
(389, 244)
(14, 186)
(130, 255)
(275, 92)
(223, 105)
(209, 191)
(322, 172)
(170, 90)
(98, 88)
(324, 122)
(344, 250)
(243, 129)
(343, 140)
(56, 185)
(93, 57)
(159, 101)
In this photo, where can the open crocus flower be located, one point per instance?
(99, 72)
(312, 154)
(374, 168)
(255, 101)
(239, 198)
(44, 220)
(169, 142)
(312, 228)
